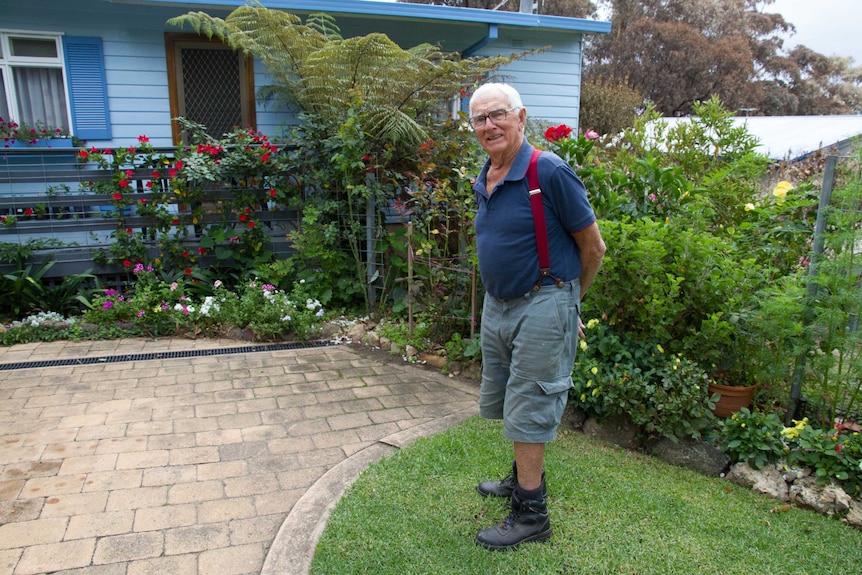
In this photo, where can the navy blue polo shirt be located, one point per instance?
(505, 236)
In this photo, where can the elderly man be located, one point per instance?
(530, 318)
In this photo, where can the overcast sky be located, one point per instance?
(831, 27)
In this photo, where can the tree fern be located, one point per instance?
(319, 71)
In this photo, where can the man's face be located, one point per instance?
(498, 137)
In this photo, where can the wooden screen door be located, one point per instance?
(209, 84)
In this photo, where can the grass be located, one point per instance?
(612, 511)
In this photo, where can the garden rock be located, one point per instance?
(433, 359)
(854, 516)
(618, 430)
(768, 481)
(692, 454)
(356, 332)
(827, 499)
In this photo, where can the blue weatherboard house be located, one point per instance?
(110, 70)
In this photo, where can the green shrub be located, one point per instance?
(752, 437)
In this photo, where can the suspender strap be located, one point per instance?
(539, 223)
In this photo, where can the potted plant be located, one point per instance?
(40, 134)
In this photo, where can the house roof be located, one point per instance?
(400, 10)
(795, 137)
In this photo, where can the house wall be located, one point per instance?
(136, 67)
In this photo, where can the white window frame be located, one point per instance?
(9, 62)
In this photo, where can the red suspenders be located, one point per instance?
(539, 223)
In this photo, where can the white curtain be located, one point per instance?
(41, 96)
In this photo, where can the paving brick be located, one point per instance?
(74, 504)
(56, 485)
(136, 415)
(83, 420)
(221, 470)
(88, 463)
(129, 547)
(261, 529)
(100, 524)
(236, 560)
(177, 565)
(276, 502)
(30, 469)
(197, 538)
(348, 421)
(142, 459)
(150, 428)
(263, 432)
(219, 437)
(102, 431)
(197, 491)
(36, 532)
(69, 449)
(55, 556)
(156, 518)
(196, 425)
(250, 485)
(137, 498)
(290, 445)
(8, 560)
(226, 510)
(171, 441)
(20, 510)
(169, 475)
(193, 455)
(52, 436)
(10, 489)
(113, 480)
(21, 454)
(239, 421)
(121, 445)
(109, 406)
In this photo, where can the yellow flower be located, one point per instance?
(583, 345)
(781, 189)
(749, 206)
(660, 348)
(594, 370)
(592, 323)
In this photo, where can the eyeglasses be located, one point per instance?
(496, 116)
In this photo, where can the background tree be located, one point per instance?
(678, 52)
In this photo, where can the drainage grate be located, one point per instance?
(162, 355)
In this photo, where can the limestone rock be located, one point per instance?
(768, 481)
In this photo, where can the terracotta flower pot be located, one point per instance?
(732, 398)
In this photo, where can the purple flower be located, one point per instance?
(108, 304)
(140, 313)
(111, 292)
(268, 287)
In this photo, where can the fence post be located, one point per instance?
(811, 289)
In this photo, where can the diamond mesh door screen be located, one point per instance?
(211, 89)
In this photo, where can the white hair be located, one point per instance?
(511, 94)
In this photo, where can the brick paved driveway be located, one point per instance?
(184, 465)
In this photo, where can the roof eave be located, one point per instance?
(403, 10)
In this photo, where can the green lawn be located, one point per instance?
(612, 511)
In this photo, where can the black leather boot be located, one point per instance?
(506, 486)
(528, 521)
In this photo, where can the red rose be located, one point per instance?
(243, 217)
(555, 133)
(250, 225)
(127, 263)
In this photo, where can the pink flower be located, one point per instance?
(108, 304)
(555, 133)
(591, 135)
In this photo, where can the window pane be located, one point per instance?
(34, 47)
(4, 105)
(41, 96)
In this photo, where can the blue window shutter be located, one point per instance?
(88, 90)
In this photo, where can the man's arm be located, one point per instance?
(592, 248)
